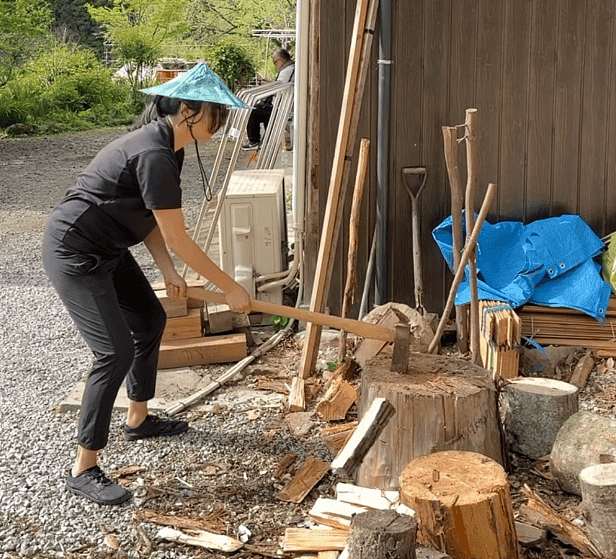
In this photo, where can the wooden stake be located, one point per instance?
(351, 278)
(450, 140)
(469, 214)
(359, 61)
(470, 245)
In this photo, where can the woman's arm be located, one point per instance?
(173, 229)
(174, 283)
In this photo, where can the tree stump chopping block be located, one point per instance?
(533, 410)
(441, 403)
(382, 534)
(584, 440)
(598, 484)
(463, 505)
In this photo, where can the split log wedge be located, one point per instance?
(363, 329)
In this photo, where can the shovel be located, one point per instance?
(410, 176)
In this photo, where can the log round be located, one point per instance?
(382, 534)
(463, 505)
(441, 403)
(527, 403)
(598, 484)
(581, 441)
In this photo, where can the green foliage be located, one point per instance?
(278, 322)
(25, 16)
(137, 29)
(232, 63)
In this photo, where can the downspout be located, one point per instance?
(382, 157)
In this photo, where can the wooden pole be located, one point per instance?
(351, 278)
(450, 140)
(469, 247)
(357, 69)
(469, 214)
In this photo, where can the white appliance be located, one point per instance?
(252, 229)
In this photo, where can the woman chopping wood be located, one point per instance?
(130, 193)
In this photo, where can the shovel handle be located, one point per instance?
(363, 329)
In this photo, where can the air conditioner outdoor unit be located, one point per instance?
(252, 229)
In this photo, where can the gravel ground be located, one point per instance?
(42, 358)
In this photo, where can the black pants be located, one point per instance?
(122, 321)
(259, 115)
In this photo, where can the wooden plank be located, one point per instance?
(309, 474)
(337, 184)
(184, 327)
(213, 349)
(301, 539)
(568, 111)
(173, 307)
(541, 110)
(514, 122)
(610, 198)
(599, 36)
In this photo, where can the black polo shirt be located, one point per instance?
(110, 206)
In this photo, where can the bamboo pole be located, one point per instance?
(450, 141)
(351, 278)
(464, 259)
(471, 184)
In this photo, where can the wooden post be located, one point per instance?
(599, 497)
(469, 247)
(463, 505)
(450, 140)
(361, 43)
(382, 534)
(351, 278)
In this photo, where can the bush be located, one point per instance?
(232, 63)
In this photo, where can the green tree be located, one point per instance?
(137, 29)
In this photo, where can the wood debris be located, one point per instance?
(500, 331)
(203, 539)
(302, 539)
(582, 371)
(284, 465)
(336, 436)
(334, 513)
(310, 473)
(337, 400)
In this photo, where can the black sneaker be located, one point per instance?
(248, 145)
(96, 486)
(154, 426)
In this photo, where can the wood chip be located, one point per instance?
(310, 473)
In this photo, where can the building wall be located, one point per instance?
(541, 74)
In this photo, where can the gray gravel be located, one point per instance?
(41, 359)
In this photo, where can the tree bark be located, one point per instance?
(382, 534)
(598, 485)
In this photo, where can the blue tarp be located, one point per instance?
(547, 262)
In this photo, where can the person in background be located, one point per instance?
(130, 193)
(262, 111)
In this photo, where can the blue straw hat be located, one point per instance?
(198, 84)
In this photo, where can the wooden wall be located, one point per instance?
(542, 74)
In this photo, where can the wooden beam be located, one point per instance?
(202, 351)
(184, 327)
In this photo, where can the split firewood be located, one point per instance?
(297, 397)
(213, 525)
(334, 513)
(328, 555)
(582, 371)
(370, 427)
(310, 473)
(538, 512)
(302, 539)
(284, 465)
(346, 370)
(530, 536)
(367, 496)
(337, 400)
(336, 436)
(203, 539)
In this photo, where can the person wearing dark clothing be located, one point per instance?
(131, 193)
(262, 110)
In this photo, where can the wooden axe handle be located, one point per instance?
(363, 329)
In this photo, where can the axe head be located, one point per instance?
(402, 342)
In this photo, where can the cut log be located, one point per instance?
(524, 400)
(462, 503)
(337, 400)
(382, 534)
(598, 485)
(301, 539)
(185, 327)
(580, 443)
(336, 436)
(367, 432)
(442, 403)
(173, 307)
(539, 513)
(202, 351)
(582, 371)
(310, 473)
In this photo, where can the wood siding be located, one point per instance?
(542, 74)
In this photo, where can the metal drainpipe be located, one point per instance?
(382, 157)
